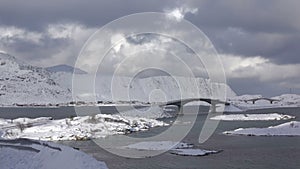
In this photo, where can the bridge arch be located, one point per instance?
(182, 102)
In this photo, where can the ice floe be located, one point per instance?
(192, 152)
(178, 148)
(158, 145)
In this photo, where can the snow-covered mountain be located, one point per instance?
(21, 83)
(150, 89)
(65, 68)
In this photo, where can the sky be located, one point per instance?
(257, 40)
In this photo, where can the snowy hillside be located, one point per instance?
(288, 99)
(151, 89)
(22, 84)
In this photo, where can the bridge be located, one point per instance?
(182, 102)
(262, 98)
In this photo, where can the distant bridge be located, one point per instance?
(262, 98)
(182, 102)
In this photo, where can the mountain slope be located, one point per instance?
(153, 89)
(24, 84)
(21, 83)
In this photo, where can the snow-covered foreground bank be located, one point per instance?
(178, 148)
(77, 128)
(252, 117)
(27, 154)
(287, 129)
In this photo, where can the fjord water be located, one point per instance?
(237, 151)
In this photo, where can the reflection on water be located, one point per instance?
(239, 151)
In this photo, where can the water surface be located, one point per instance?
(238, 151)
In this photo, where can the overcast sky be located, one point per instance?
(258, 40)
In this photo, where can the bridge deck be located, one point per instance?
(262, 98)
(185, 101)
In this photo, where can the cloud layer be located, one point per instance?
(257, 40)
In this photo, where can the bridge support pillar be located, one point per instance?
(213, 108)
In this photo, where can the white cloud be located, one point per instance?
(258, 67)
(46, 45)
(66, 30)
(13, 34)
(75, 35)
(179, 13)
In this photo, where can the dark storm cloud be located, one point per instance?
(279, 48)
(271, 29)
(246, 28)
(255, 17)
(251, 15)
(35, 14)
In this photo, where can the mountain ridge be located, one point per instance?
(21, 83)
(65, 68)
